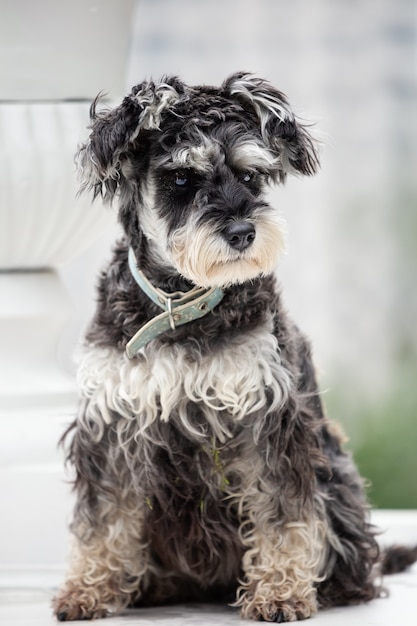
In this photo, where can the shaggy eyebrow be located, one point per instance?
(245, 155)
(199, 158)
(250, 155)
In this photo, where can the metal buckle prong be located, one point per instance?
(170, 316)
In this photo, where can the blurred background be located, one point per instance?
(349, 277)
(350, 274)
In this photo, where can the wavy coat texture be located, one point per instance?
(205, 467)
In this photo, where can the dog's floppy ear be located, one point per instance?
(113, 132)
(289, 140)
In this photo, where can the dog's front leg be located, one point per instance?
(109, 555)
(107, 564)
(281, 563)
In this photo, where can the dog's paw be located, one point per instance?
(279, 612)
(77, 604)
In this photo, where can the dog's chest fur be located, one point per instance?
(203, 397)
(181, 419)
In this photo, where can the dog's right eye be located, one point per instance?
(181, 180)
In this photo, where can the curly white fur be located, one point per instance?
(164, 378)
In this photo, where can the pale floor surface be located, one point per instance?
(32, 608)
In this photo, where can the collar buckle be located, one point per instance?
(178, 307)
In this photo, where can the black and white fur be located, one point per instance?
(205, 467)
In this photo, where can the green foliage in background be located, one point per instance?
(383, 439)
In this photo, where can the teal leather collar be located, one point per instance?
(179, 307)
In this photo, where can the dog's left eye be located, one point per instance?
(246, 177)
(249, 178)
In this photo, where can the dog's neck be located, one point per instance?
(159, 296)
(160, 274)
(178, 307)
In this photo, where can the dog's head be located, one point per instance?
(190, 165)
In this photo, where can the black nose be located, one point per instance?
(240, 235)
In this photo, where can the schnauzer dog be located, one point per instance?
(205, 467)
